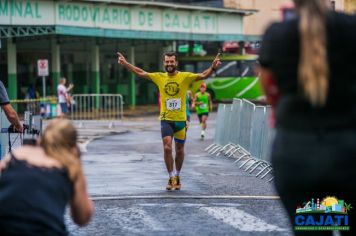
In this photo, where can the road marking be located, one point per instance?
(253, 197)
(134, 220)
(184, 204)
(240, 220)
(172, 205)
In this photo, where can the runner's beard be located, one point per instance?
(170, 69)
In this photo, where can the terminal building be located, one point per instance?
(80, 40)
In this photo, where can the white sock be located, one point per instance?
(203, 132)
(171, 174)
(177, 173)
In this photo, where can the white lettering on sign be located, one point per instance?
(116, 16)
(42, 67)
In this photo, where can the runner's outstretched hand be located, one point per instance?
(216, 62)
(121, 59)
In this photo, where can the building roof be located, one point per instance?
(176, 6)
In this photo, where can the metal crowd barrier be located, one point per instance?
(3, 137)
(103, 107)
(33, 129)
(242, 132)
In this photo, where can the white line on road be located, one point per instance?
(134, 220)
(240, 220)
(253, 197)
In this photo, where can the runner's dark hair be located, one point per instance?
(170, 54)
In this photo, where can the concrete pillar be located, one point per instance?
(242, 47)
(56, 64)
(70, 73)
(95, 68)
(161, 52)
(132, 79)
(174, 46)
(12, 69)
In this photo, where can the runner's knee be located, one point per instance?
(179, 149)
(167, 148)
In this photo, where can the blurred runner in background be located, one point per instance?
(203, 104)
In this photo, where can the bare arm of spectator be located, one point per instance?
(12, 116)
(81, 206)
(9, 111)
(70, 87)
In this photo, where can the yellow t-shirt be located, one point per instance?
(173, 90)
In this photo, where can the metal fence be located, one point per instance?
(105, 107)
(8, 141)
(97, 107)
(242, 132)
(3, 136)
(82, 107)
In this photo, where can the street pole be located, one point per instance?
(44, 86)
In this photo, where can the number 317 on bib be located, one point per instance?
(173, 104)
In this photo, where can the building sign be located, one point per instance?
(42, 67)
(115, 16)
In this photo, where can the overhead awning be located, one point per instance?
(121, 19)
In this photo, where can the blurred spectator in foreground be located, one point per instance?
(8, 109)
(37, 182)
(63, 97)
(309, 76)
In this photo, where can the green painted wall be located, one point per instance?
(12, 90)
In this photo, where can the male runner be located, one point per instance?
(202, 102)
(173, 86)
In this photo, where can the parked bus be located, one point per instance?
(235, 78)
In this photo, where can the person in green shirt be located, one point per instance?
(202, 103)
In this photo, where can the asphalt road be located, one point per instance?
(127, 177)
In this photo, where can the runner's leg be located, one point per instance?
(167, 136)
(179, 137)
(179, 156)
(168, 157)
(204, 119)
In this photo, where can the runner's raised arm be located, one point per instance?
(206, 74)
(138, 71)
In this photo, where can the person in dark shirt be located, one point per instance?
(309, 76)
(37, 182)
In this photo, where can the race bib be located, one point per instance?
(173, 104)
(203, 106)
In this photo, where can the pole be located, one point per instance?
(44, 86)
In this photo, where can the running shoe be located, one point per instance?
(177, 186)
(171, 183)
(202, 135)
